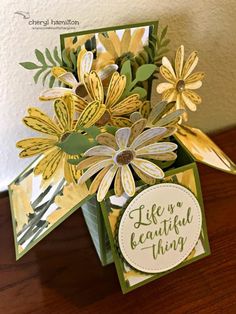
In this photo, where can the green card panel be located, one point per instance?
(129, 278)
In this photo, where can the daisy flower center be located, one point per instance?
(81, 90)
(124, 157)
(64, 136)
(180, 86)
(104, 119)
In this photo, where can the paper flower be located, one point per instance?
(119, 50)
(53, 156)
(181, 82)
(116, 111)
(161, 114)
(76, 87)
(115, 155)
(80, 40)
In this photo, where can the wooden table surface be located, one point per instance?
(62, 274)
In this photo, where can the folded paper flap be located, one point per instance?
(203, 149)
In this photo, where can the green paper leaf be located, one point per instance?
(29, 65)
(92, 131)
(40, 57)
(163, 33)
(56, 56)
(139, 90)
(37, 74)
(111, 129)
(51, 81)
(126, 70)
(49, 56)
(66, 59)
(144, 72)
(73, 59)
(45, 76)
(76, 144)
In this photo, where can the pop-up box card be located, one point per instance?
(128, 163)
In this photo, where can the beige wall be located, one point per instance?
(208, 26)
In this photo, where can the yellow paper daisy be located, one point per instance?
(53, 156)
(80, 40)
(161, 114)
(181, 82)
(116, 111)
(117, 49)
(129, 147)
(76, 87)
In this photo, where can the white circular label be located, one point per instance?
(160, 227)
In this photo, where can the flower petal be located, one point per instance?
(194, 77)
(115, 41)
(157, 148)
(148, 167)
(107, 139)
(147, 135)
(94, 86)
(143, 176)
(136, 40)
(145, 109)
(170, 118)
(52, 165)
(194, 85)
(94, 169)
(97, 180)
(91, 114)
(126, 106)
(106, 183)
(166, 63)
(122, 137)
(162, 156)
(135, 116)
(34, 146)
(63, 114)
(125, 40)
(120, 122)
(159, 110)
(54, 93)
(115, 89)
(190, 64)
(162, 87)
(40, 167)
(169, 95)
(100, 150)
(118, 188)
(90, 161)
(84, 63)
(108, 45)
(179, 60)
(41, 125)
(68, 79)
(34, 141)
(127, 180)
(191, 99)
(107, 71)
(136, 129)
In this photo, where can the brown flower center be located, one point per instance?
(81, 91)
(180, 86)
(124, 157)
(64, 136)
(104, 119)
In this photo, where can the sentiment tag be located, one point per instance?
(159, 228)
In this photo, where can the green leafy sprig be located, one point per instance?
(156, 48)
(47, 61)
(143, 73)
